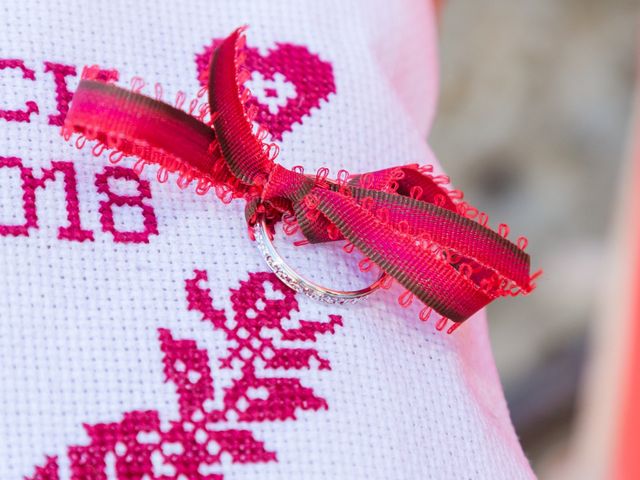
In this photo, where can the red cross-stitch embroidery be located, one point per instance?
(311, 78)
(193, 446)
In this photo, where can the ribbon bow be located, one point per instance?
(402, 219)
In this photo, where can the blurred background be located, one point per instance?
(533, 122)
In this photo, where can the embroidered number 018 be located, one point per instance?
(25, 206)
(150, 223)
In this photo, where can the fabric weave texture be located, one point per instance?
(141, 335)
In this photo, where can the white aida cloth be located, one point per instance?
(123, 347)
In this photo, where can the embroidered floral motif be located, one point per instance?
(196, 444)
(292, 79)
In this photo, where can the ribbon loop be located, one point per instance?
(401, 218)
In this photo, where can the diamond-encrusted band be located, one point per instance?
(300, 284)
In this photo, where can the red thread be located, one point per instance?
(47, 472)
(366, 265)
(311, 77)
(333, 232)
(134, 201)
(416, 192)
(137, 84)
(466, 270)
(406, 298)
(63, 95)
(180, 99)
(453, 327)
(456, 195)
(162, 175)
(441, 179)
(158, 91)
(31, 106)
(321, 176)
(425, 313)
(97, 149)
(522, 242)
(73, 231)
(442, 323)
(386, 282)
(28, 199)
(486, 277)
(348, 247)
(81, 141)
(115, 156)
(440, 199)
(94, 72)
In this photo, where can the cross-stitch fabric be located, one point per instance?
(142, 335)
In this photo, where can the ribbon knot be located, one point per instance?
(402, 219)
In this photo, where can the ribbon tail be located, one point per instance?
(460, 236)
(416, 265)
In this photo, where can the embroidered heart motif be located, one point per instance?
(287, 83)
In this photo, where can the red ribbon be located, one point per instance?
(401, 218)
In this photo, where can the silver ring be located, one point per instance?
(300, 284)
